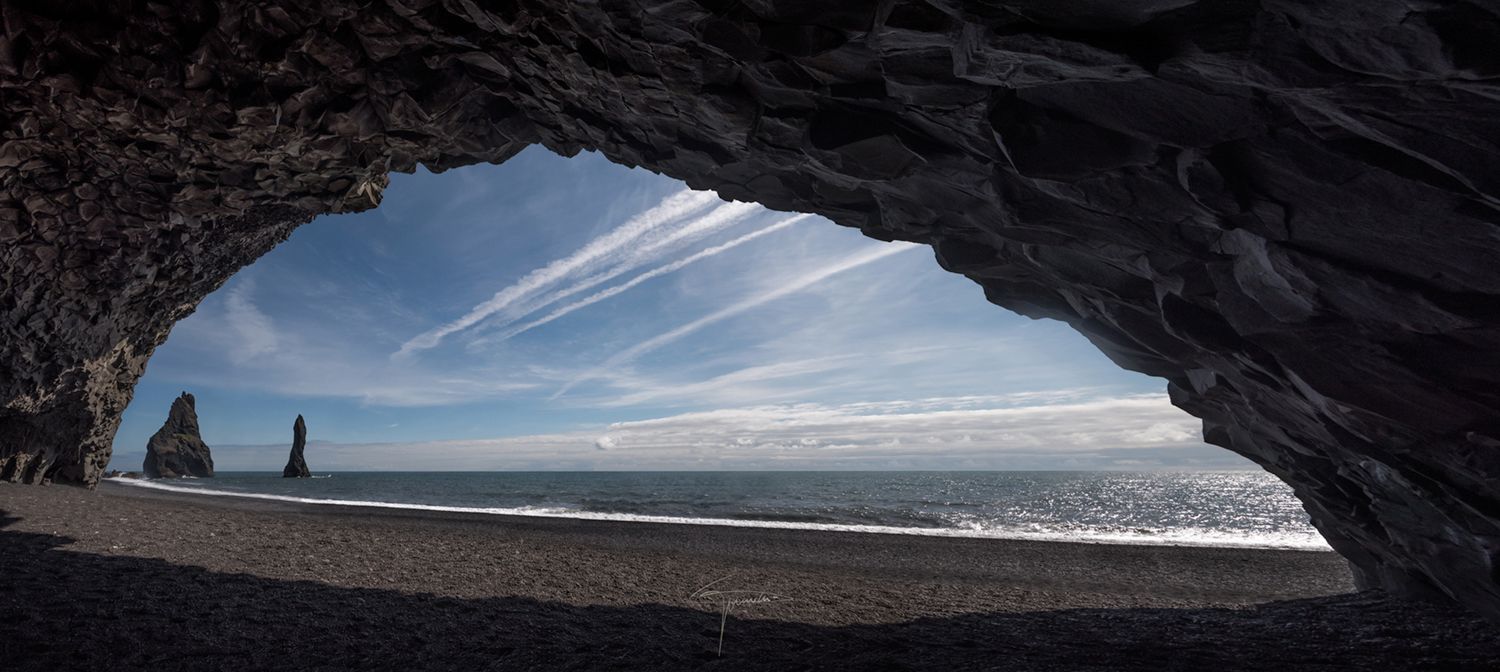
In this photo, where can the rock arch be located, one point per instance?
(1287, 210)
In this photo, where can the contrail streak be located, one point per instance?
(795, 285)
(653, 273)
(673, 208)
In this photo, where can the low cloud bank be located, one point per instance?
(1052, 430)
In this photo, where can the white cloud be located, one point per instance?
(662, 243)
(290, 359)
(653, 273)
(1164, 433)
(747, 382)
(624, 243)
(792, 286)
(1053, 429)
(256, 334)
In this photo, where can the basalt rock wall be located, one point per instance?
(1287, 210)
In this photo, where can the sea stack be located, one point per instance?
(177, 450)
(296, 465)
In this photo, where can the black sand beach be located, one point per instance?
(124, 578)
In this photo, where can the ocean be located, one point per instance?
(1223, 508)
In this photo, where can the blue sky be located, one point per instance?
(554, 313)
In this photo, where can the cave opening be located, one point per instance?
(569, 314)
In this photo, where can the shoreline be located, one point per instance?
(954, 533)
(1173, 574)
(164, 581)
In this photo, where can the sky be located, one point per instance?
(571, 313)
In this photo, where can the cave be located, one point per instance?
(1288, 211)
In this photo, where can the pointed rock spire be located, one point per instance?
(296, 465)
(176, 449)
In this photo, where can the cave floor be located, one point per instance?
(126, 578)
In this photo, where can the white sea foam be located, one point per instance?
(1308, 541)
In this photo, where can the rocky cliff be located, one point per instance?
(1286, 210)
(177, 449)
(296, 464)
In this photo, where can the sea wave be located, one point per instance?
(1188, 536)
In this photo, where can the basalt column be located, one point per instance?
(1287, 210)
